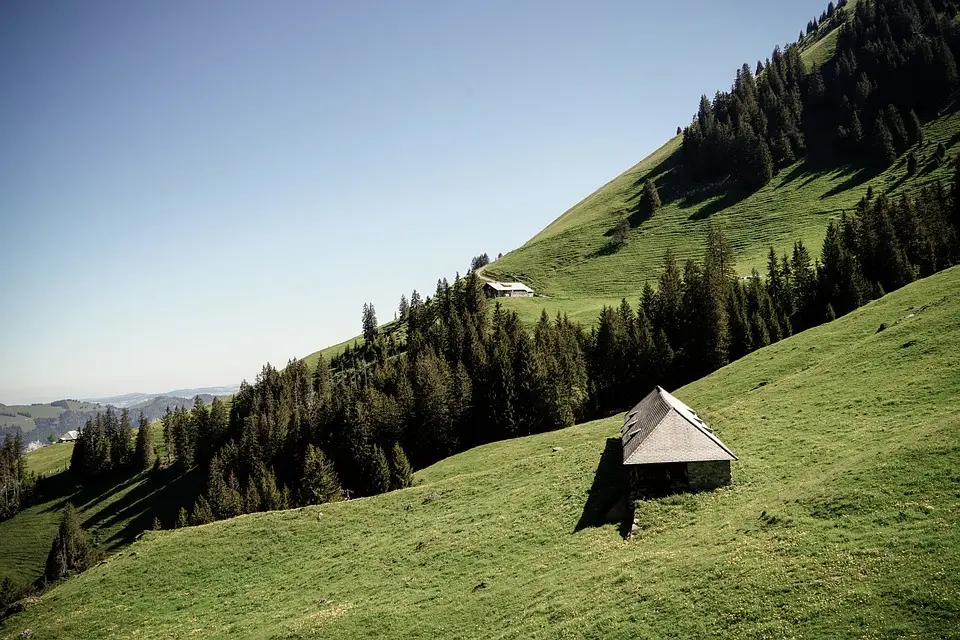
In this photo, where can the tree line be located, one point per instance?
(894, 59)
(467, 375)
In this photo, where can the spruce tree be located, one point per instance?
(202, 514)
(183, 520)
(401, 475)
(144, 454)
(649, 199)
(72, 550)
(378, 472)
(121, 442)
(369, 323)
(885, 152)
(319, 482)
(897, 129)
(914, 129)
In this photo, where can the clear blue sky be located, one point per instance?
(191, 189)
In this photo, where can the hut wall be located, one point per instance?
(649, 480)
(708, 475)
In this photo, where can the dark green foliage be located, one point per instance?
(320, 483)
(912, 164)
(914, 129)
(183, 520)
(202, 514)
(649, 199)
(15, 483)
(378, 472)
(144, 454)
(121, 439)
(369, 323)
(892, 52)
(479, 261)
(401, 474)
(72, 550)
(940, 154)
(11, 591)
(885, 153)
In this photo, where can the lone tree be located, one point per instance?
(650, 199)
(369, 323)
(144, 453)
(72, 550)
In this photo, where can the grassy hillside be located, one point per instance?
(114, 510)
(841, 522)
(568, 263)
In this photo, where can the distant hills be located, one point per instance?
(41, 420)
(131, 400)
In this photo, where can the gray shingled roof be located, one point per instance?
(663, 429)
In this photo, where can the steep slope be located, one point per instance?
(842, 521)
(567, 261)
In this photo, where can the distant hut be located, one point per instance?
(69, 436)
(667, 447)
(507, 290)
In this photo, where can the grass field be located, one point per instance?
(114, 510)
(50, 459)
(842, 521)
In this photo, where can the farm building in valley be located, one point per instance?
(507, 290)
(667, 447)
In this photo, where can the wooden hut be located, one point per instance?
(667, 448)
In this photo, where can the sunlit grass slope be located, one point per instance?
(568, 263)
(114, 510)
(842, 521)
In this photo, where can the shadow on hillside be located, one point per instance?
(608, 498)
(161, 499)
(856, 178)
(158, 495)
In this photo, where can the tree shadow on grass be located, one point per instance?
(855, 179)
(608, 498)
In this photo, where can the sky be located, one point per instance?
(191, 189)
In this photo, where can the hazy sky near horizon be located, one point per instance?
(191, 189)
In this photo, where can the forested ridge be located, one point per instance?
(895, 62)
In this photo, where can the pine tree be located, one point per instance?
(401, 475)
(885, 152)
(649, 199)
(897, 129)
(369, 323)
(144, 454)
(319, 481)
(378, 472)
(121, 442)
(72, 550)
(202, 513)
(804, 286)
(914, 129)
(912, 164)
(183, 520)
